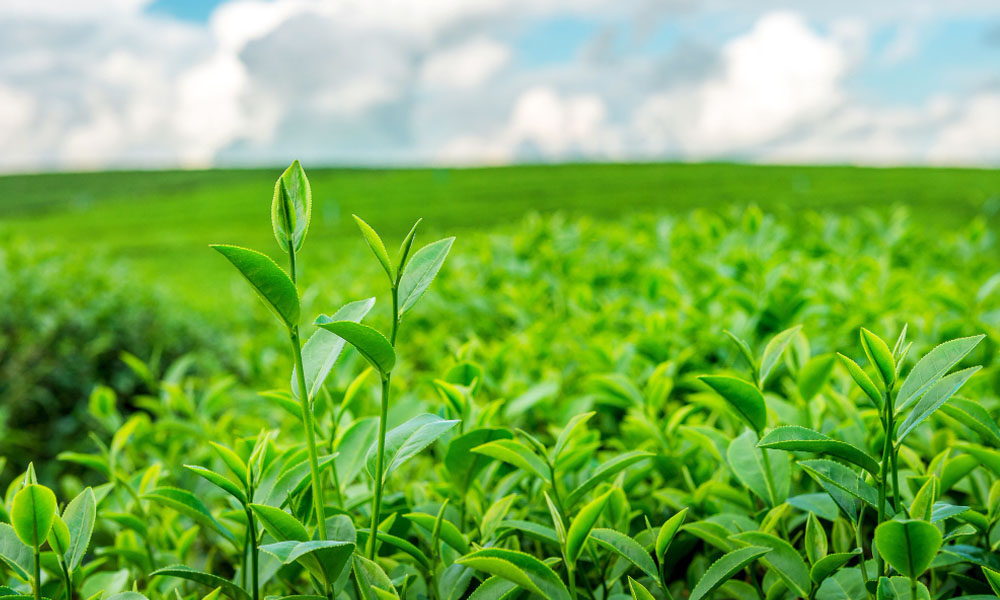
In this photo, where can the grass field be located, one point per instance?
(160, 222)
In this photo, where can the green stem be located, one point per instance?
(38, 574)
(67, 580)
(861, 548)
(571, 575)
(769, 478)
(379, 469)
(307, 420)
(884, 475)
(252, 541)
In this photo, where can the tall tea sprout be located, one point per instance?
(290, 214)
(409, 278)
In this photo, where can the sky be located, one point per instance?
(99, 84)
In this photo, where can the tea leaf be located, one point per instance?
(408, 440)
(420, 272)
(627, 548)
(932, 367)
(898, 588)
(378, 248)
(523, 569)
(323, 347)
(794, 438)
(187, 504)
(462, 463)
(281, 525)
(880, 356)
(744, 397)
(515, 453)
(783, 560)
(32, 514)
(938, 394)
(816, 542)
(448, 532)
(773, 351)
(667, 532)
(827, 565)
(15, 553)
(291, 207)
(605, 472)
(80, 515)
(909, 545)
(219, 481)
(271, 284)
(863, 380)
(721, 570)
(58, 537)
(974, 416)
(639, 592)
(579, 529)
(369, 343)
(213, 581)
(747, 463)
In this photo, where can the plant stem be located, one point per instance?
(66, 579)
(38, 574)
(379, 469)
(571, 575)
(769, 479)
(884, 473)
(252, 540)
(307, 420)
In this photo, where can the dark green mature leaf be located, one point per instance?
(843, 478)
(974, 416)
(863, 380)
(219, 481)
(281, 525)
(291, 207)
(323, 348)
(420, 272)
(32, 513)
(816, 542)
(271, 284)
(374, 583)
(15, 553)
(938, 394)
(794, 438)
(773, 351)
(783, 560)
(829, 564)
(743, 396)
(721, 570)
(579, 529)
(462, 463)
(515, 453)
(80, 515)
(879, 355)
(325, 559)
(448, 532)
(523, 569)
(898, 588)
(993, 578)
(400, 544)
(605, 472)
(639, 591)
(626, 547)
(367, 341)
(908, 545)
(378, 248)
(188, 504)
(747, 463)
(408, 440)
(213, 581)
(712, 533)
(932, 367)
(845, 584)
(59, 537)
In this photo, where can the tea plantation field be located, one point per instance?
(616, 382)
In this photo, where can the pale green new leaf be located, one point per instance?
(938, 394)
(605, 472)
(794, 438)
(420, 272)
(863, 380)
(291, 207)
(721, 570)
(773, 351)
(188, 504)
(579, 529)
(32, 513)
(908, 545)
(371, 344)
(281, 525)
(407, 440)
(515, 453)
(667, 532)
(743, 396)
(271, 284)
(829, 564)
(747, 463)
(80, 515)
(783, 560)
(879, 355)
(323, 347)
(626, 547)
(213, 581)
(932, 367)
(375, 243)
(639, 591)
(523, 569)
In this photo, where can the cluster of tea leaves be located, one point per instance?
(653, 408)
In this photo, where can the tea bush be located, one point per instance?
(686, 406)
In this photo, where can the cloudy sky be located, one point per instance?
(90, 84)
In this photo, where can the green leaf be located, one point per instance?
(842, 478)
(923, 502)
(281, 525)
(58, 537)
(783, 560)
(794, 438)
(606, 471)
(579, 529)
(909, 545)
(667, 532)
(522, 569)
(138, 596)
(993, 578)
(721, 570)
(814, 375)
(323, 348)
(627, 548)
(408, 440)
(375, 243)
(351, 448)
(374, 583)
(219, 481)
(268, 280)
(938, 394)
(462, 463)
(898, 588)
(291, 207)
(773, 351)
(880, 356)
(568, 432)
(515, 453)
(404, 248)
(827, 565)
(448, 532)
(712, 533)
(232, 460)
(747, 463)
(188, 504)
(18, 556)
(420, 272)
(32, 514)
(639, 591)
(80, 515)
(213, 581)
(367, 341)
(974, 416)
(932, 367)
(744, 350)
(863, 380)
(400, 544)
(325, 559)
(743, 396)
(816, 541)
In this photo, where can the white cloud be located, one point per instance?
(974, 136)
(465, 66)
